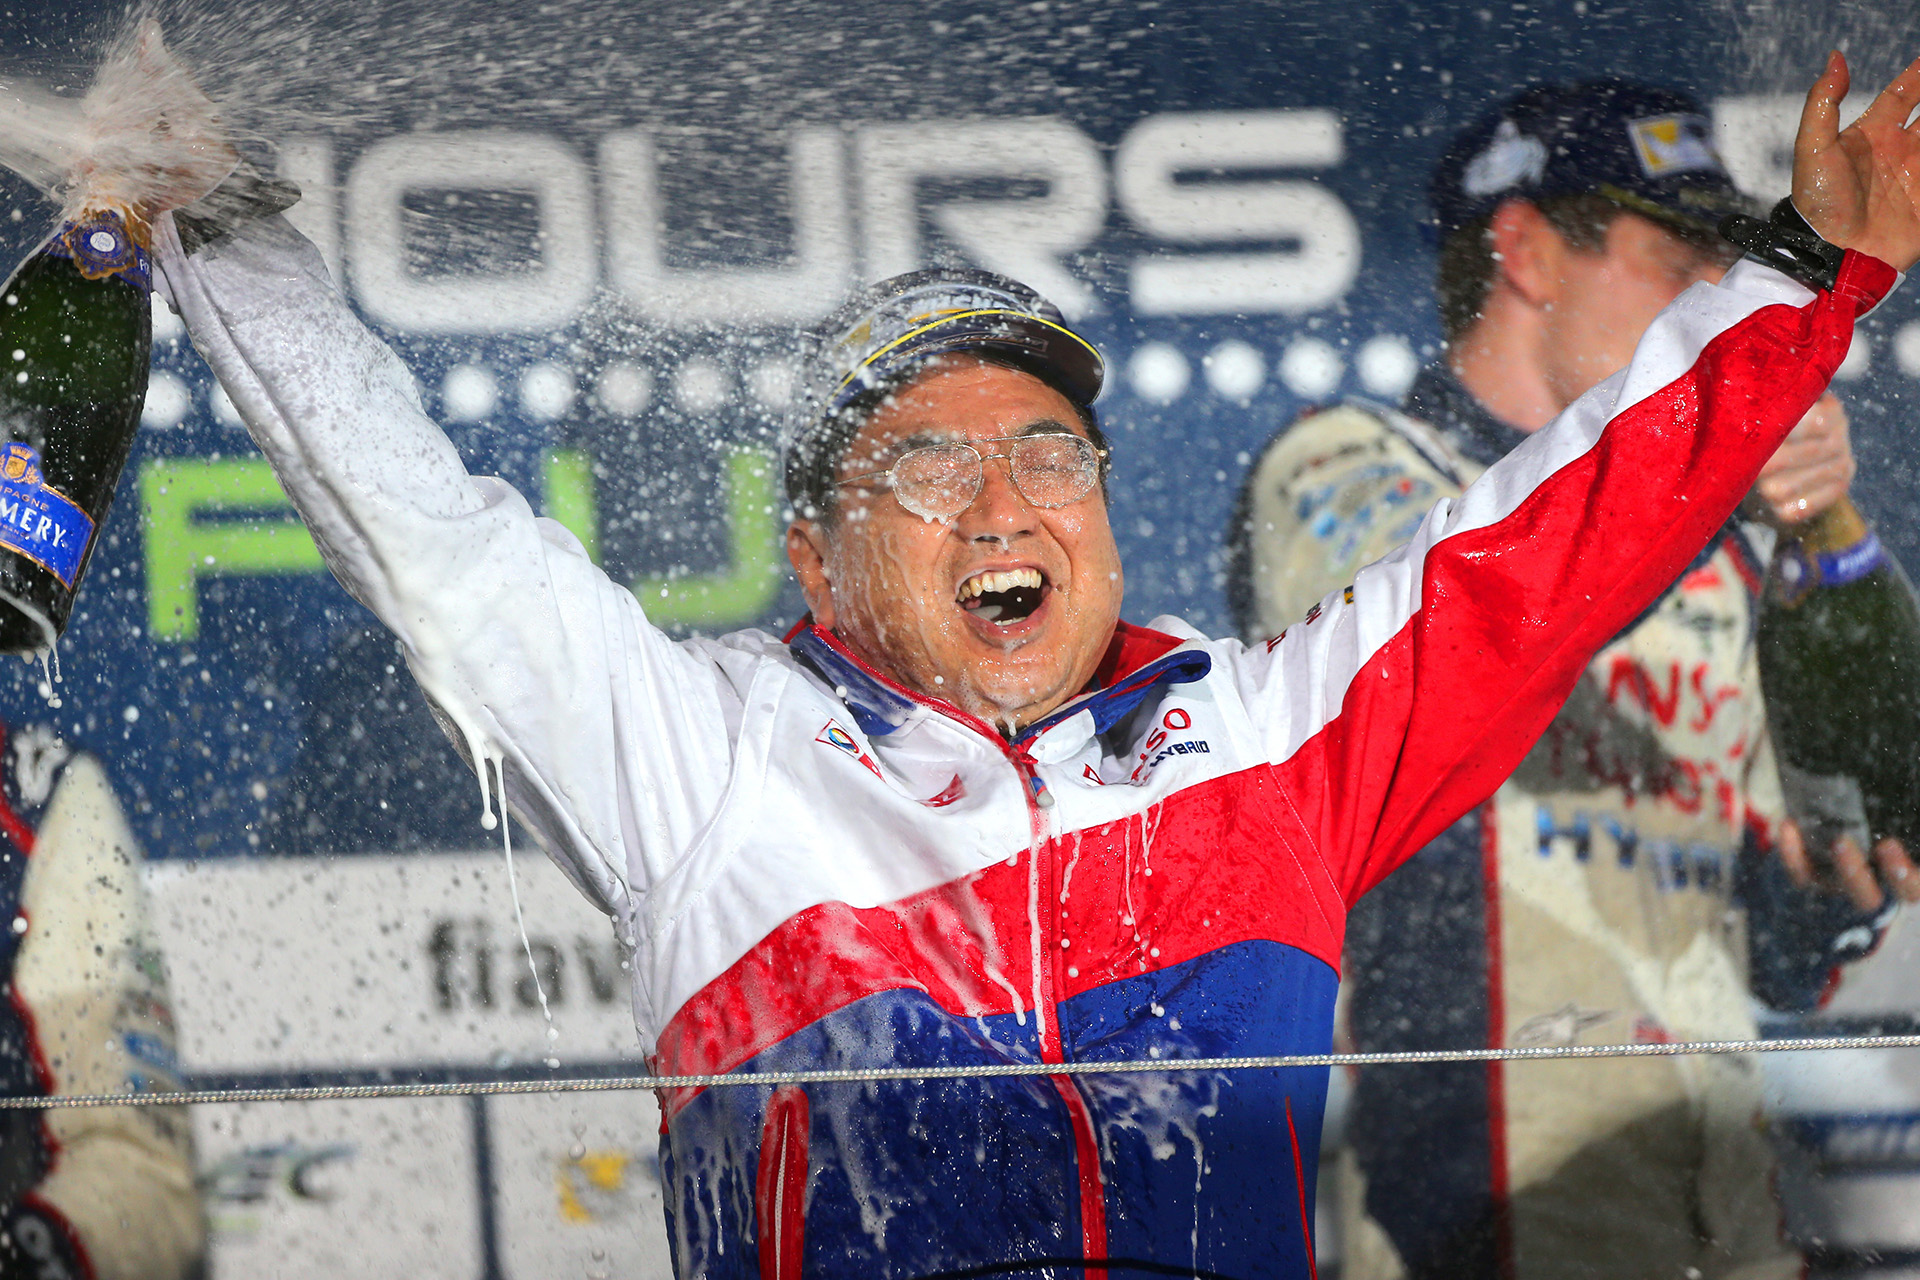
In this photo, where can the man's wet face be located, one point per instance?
(1004, 610)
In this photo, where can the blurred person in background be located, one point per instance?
(95, 1193)
(1636, 877)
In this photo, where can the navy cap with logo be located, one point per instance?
(884, 332)
(1649, 150)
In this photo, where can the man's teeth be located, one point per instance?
(981, 583)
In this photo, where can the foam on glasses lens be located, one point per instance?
(938, 482)
(1053, 470)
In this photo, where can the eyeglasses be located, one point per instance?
(938, 482)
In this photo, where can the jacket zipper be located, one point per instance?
(1046, 1016)
(1089, 1180)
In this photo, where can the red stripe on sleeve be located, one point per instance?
(1510, 614)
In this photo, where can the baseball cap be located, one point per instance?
(1648, 149)
(886, 330)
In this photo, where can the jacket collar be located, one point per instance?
(879, 706)
(1137, 660)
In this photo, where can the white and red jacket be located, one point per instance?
(819, 869)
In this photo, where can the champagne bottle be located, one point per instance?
(76, 336)
(1839, 647)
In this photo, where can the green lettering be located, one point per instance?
(183, 545)
(735, 595)
(570, 496)
(206, 518)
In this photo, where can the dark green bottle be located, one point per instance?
(76, 338)
(1839, 646)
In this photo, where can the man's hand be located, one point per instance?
(1812, 470)
(1852, 872)
(1861, 189)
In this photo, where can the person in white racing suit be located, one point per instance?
(1614, 888)
(963, 816)
(95, 1193)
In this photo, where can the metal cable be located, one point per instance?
(325, 1093)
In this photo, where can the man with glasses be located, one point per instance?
(980, 581)
(965, 818)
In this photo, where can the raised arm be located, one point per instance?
(523, 645)
(1407, 697)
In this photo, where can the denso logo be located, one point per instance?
(1174, 721)
(1230, 237)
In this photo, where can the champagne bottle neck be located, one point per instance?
(1833, 549)
(1838, 528)
(103, 243)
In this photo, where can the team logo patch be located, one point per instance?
(840, 740)
(1511, 159)
(1158, 748)
(1667, 145)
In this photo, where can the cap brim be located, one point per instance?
(1052, 351)
(1694, 209)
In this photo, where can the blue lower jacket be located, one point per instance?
(1187, 1188)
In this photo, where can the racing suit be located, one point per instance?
(1590, 900)
(102, 1193)
(815, 867)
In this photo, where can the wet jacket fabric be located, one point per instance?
(817, 868)
(1611, 890)
(102, 1193)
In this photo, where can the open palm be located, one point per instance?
(1861, 188)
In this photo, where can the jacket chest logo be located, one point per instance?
(840, 740)
(1156, 748)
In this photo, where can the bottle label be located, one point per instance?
(100, 245)
(39, 521)
(1797, 572)
(1850, 564)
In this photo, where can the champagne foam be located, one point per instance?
(141, 140)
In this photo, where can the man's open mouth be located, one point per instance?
(1003, 597)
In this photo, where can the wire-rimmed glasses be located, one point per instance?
(939, 481)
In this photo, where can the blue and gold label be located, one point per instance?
(38, 521)
(102, 245)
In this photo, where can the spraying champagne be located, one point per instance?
(75, 318)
